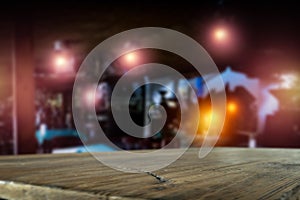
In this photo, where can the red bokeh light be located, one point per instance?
(131, 59)
(62, 62)
(221, 34)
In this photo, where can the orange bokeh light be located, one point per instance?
(231, 107)
(209, 118)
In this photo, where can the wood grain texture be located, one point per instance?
(226, 173)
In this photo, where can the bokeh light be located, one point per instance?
(221, 34)
(131, 59)
(89, 98)
(60, 61)
(231, 107)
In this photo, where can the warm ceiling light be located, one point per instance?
(220, 34)
(61, 61)
(131, 58)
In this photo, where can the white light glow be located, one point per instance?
(131, 58)
(221, 34)
(61, 61)
(287, 81)
(90, 98)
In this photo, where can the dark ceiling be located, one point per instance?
(268, 32)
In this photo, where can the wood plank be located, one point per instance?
(227, 173)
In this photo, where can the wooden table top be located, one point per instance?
(226, 173)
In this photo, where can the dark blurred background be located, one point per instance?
(255, 45)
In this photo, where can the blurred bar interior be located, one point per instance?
(43, 45)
